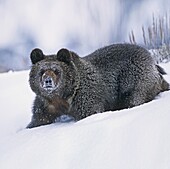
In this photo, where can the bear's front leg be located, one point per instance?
(39, 119)
(46, 111)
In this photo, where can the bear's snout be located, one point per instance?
(49, 80)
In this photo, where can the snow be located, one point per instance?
(136, 138)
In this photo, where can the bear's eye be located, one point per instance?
(57, 72)
(42, 72)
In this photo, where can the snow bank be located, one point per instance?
(136, 138)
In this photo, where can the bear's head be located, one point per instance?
(53, 76)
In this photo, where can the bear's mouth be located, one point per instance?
(49, 80)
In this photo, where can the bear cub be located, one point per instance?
(111, 78)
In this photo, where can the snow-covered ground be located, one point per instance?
(136, 138)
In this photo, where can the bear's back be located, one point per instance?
(118, 54)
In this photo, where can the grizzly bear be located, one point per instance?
(111, 78)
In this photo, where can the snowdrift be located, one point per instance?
(136, 138)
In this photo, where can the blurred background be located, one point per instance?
(81, 26)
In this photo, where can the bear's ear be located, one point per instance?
(64, 55)
(36, 55)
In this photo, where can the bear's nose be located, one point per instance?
(48, 82)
